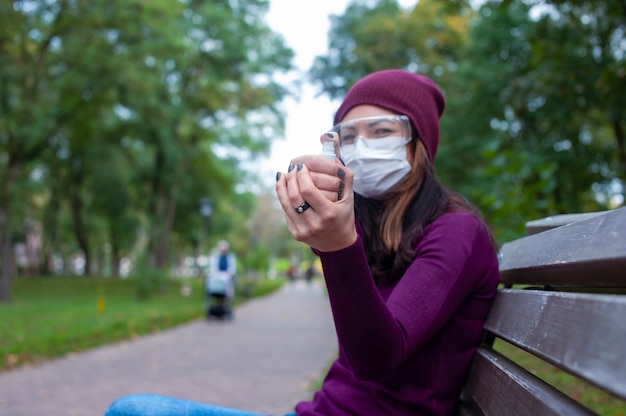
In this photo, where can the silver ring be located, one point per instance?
(303, 207)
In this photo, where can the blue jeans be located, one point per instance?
(156, 405)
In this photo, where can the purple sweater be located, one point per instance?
(406, 349)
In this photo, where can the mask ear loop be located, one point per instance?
(415, 138)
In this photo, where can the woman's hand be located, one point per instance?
(316, 195)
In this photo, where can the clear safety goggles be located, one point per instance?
(377, 132)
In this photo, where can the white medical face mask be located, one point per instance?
(374, 148)
(378, 165)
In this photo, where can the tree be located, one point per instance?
(540, 139)
(162, 87)
(380, 35)
(28, 103)
(215, 95)
(533, 91)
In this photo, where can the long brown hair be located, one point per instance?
(391, 227)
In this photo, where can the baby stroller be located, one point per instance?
(219, 290)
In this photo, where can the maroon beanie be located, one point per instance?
(402, 92)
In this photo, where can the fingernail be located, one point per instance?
(290, 168)
(277, 176)
(342, 162)
(341, 173)
(329, 134)
(342, 185)
(299, 166)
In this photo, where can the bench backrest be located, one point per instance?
(562, 305)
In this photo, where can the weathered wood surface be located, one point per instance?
(577, 330)
(548, 223)
(500, 387)
(589, 253)
(583, 334)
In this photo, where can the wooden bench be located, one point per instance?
(564, 302)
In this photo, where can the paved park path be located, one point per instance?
(264, 361)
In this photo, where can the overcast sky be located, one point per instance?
(304, 26)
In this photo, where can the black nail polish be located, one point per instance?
(342, 185)
(341, 173)
(290, 168)
(329, 134)
(277, 176)
(299, 166)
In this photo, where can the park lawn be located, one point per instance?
(48, 317)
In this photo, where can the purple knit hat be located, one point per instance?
(403, 92)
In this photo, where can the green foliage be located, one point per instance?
(262, 286)
(112, 146)
(371, 36)
(533, 126)
(538, 149)
(149, 280)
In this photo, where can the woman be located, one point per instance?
(411, 270)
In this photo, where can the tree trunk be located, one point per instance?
(7, 266)
(6, 244)
(621, 146)
(156, 232)
(164, 221)
(115, 253)
(49, 238)
(76, 204)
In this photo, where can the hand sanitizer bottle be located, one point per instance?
(328, 150)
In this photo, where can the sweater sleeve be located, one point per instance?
(377, 333)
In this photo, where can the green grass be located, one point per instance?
(597, 400)
(53, 316)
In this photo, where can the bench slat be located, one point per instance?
(580, 333)
(548, 223)
(589, 253)
(494, 377)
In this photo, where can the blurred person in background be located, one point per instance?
(220, 281)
